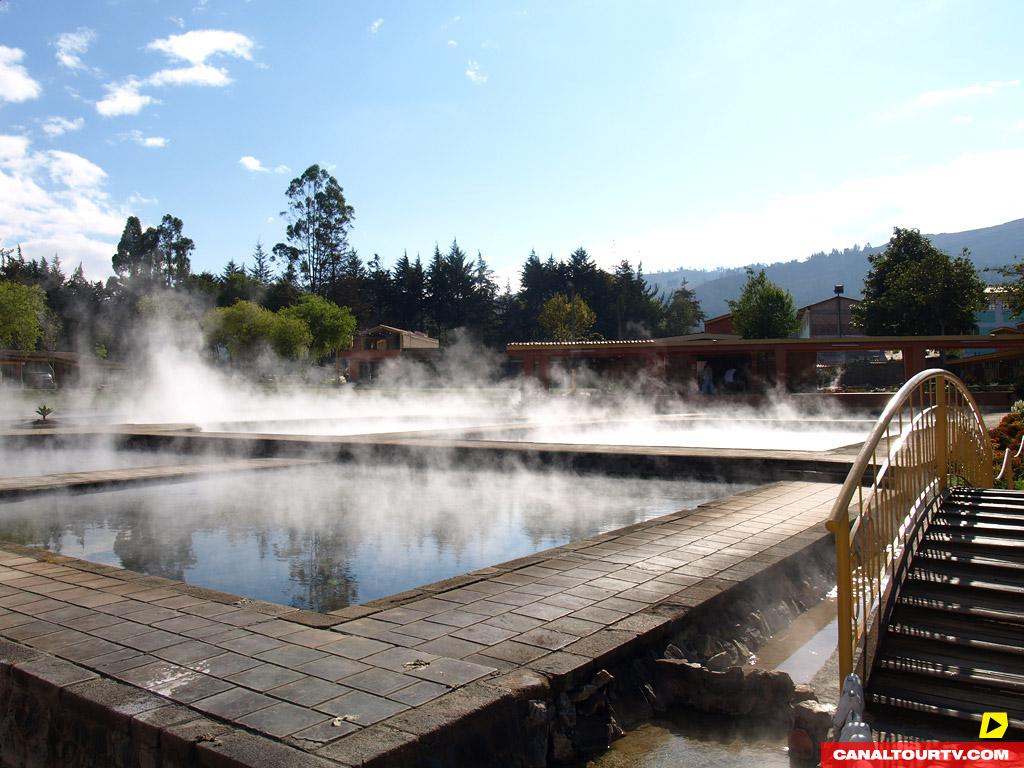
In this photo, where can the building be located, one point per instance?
(373, 346)
(997, 314)
(827, 318)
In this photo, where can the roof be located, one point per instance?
(827, 302)
(393, 329)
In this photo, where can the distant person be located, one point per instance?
(708, 381)
(730, 380)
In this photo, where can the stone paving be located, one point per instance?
(365, 678)
(12, 487)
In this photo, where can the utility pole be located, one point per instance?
(839, 309)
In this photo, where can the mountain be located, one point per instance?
(812, 279)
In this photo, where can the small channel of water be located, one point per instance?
(689, 738)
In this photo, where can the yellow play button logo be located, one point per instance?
(993, 725)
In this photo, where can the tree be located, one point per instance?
(260, 270)
(566, 320)
(683, 312)
(331, 327)
(914, 289)
(1013, 286)
(174, 250)
(245, 329)
(21, 312)
(763, 310)
(318, 223)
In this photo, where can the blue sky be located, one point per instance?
(669, 133)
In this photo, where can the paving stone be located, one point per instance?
(265, 677)
(514, 652)
(312, 638)
(542, 611)
(546, 638)
(379, 681)
(514, 622)
(452, 647)
(234, 703)
(325, 732)
(572, 626)
(194, 687)
(151, 641)
(282, 719)
(362, 708)
(425, 630)
(399, 659)
(333, 668)
(457, 618)
(484, 634)
(188, 651)
(309, 691)
(355, 647)
(419, 693)
(291, 656)
(451, 672)
(224, 665)
(248, 643)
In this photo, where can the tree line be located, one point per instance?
(308, 294)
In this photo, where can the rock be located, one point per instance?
(815, 719)
(537, 713)
(652, 698)
(566, 711)
(804, 692)
(583, 693)
(719, 661)
(561, 748)
(673, 652)
(801, 746)
(601, 679)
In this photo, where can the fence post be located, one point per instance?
(844, 597)
(941, 433)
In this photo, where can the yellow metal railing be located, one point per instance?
(930, 436)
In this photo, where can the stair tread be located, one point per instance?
(956, 698)
(973, 578)
(959, 537)
(967, 600)
(960, 662)
(977, 528)
(936, 554)
(952, 628)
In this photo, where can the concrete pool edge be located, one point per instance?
(485, 711)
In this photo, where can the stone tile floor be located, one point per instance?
(313, 679)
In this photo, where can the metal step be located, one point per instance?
(977, 528)
(959, 540)
(962, 600)
(948, 698)
(1001, 671)
(951, 574)
(942, 626)
(983, 559)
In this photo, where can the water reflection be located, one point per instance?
(325, 537)
(687, 737)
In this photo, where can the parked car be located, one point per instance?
(39, 380)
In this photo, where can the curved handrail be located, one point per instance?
(1006, 461)
(910, 463)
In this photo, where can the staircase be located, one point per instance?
(954, 645)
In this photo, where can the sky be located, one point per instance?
(667, 133)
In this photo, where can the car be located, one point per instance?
(39, 380)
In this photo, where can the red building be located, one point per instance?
(373, 346)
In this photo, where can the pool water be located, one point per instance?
(329, 536)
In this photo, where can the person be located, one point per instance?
(730, 380)
(708, 380)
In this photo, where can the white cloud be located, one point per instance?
(962, 119)
(145, 141)
(975, 190)
(474, 74)
(197, 46)
(15, 83)
(58, 126)
(74, 171)
(453, 43)
(70, 47)
(376, 25)
(136, 199)
(253, 165)
(1019, 125)
(55, 202)
(177, 21)
(199, 74)
(123, 98)
(939, 98)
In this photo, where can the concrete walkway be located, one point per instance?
(370, 683)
